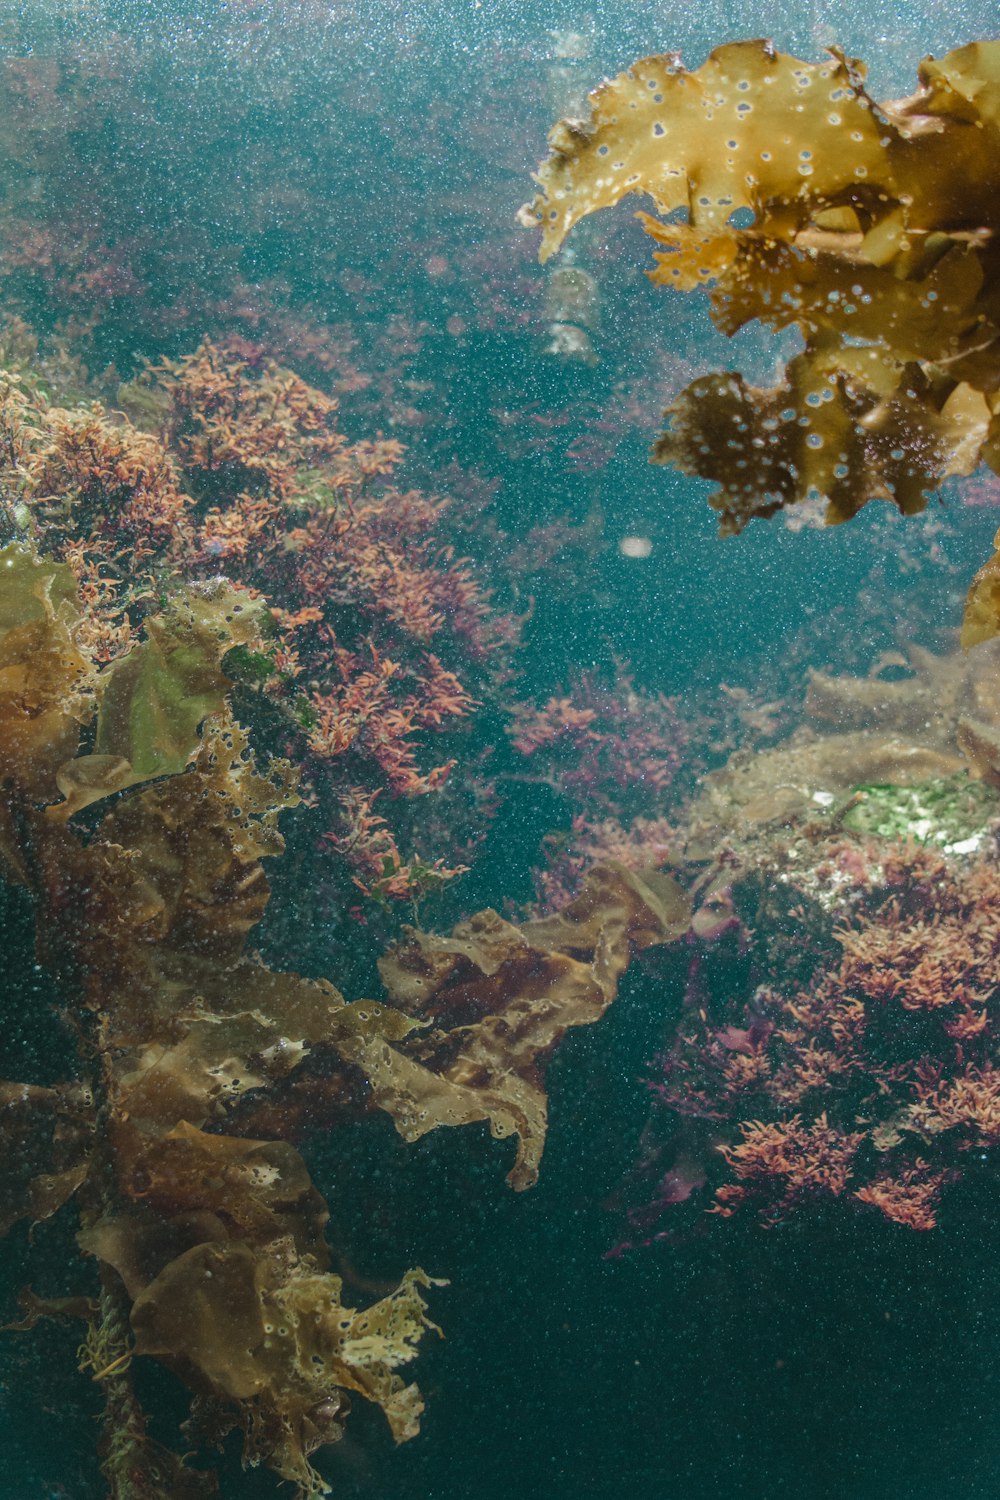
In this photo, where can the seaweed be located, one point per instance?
(796, 199)
(133, 812)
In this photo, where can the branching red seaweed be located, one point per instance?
(873, 1082)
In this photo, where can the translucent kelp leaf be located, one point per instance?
(846, 424)
(625, 910)
(946, 153)
(982, 607)
(262, 1189)
(821, 284)
(798, 201)
(155, 698)
(45, 1137)
(193, 874)
(750, 129)
(504, 996)
(153, 701)
(34, 588)
(267, 1332)
(224, 1258)
(980, 743)
(45, 682)
(225, 1052)
(797, 143)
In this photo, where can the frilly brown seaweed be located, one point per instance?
(210, 1243)
(798, 200)
(502, 997)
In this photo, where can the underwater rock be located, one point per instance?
(902, 732)
(809, 777)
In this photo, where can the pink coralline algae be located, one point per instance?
(609, 749)
(612, 754)
(873, 1083)
(383, 635)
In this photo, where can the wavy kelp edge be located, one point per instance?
(210, 1244)
(795, 198)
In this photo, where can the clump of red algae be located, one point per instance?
(612, 754)
(383, 638)
(866, 1077)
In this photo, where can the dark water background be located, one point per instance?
(844, 1359)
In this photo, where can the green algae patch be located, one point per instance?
(951, 812)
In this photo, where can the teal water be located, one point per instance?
(338, 185)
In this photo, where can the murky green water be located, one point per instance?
(334, 187)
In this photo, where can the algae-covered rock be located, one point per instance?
(951, 812)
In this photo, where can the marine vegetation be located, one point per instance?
(613, 757)
(838, 1038)
(838, 1033)
(135, 820)
(798, 200)
(375, 630)
(833, 1043)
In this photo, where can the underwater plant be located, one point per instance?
(378, 637)
(612, 755)
(375, 625)
(849, 1053)
(135, 820)
(796, 199)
